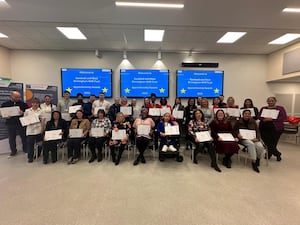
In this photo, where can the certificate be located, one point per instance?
(136, 113)
(172, 130)
(270, 113)
(53, 135)
(118, 135)
(126, 110)
(97, 132)
(154, 112)
(96, 109)
(251, 110)
(165, 110)
(66, 116)
(248, 134)
(233, 112)
(10, 111)
(75, 133)
(143, 129)
(203, 136)
(226, 136)
(74, 108)
(178, 114)
(30, 119)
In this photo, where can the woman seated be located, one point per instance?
(198, 124)
(118, 125)
(254, 146)
(142, 139)
(55, 123)
(167, 142)
(96, 141)
(220, 126)
(74, 143)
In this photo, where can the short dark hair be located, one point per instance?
(79, 94)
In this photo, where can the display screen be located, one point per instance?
(195, 83)
(87, 81)
(141, 83)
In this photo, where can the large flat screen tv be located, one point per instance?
(141, 83)
(195, 83)
(86, 81)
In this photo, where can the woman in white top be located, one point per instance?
(34, 131)
(47, 108)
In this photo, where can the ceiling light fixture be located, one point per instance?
(159, 55)
(151, 5)
(72, 33)
(153, 35)
(3, 35)
(124, 54)
(284, 39)
(294, 10)
(231, 37)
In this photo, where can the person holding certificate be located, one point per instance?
(271, 126)
(56, 123)
(100, 130)
(207, 111)
(74, 142)
(198, 125)
(178, 113)
(249, 137)
(224, 136)
(188, 116)
(34, 130)
(120, 134)
(143, 127)
(13, 124)
(248, 104)
(47, 107)
(63, 106)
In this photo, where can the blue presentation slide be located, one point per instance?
(195, 83)
(141, 83)
(86, 81)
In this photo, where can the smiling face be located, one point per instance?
(220, 115)
(271, 101)
(198, 115)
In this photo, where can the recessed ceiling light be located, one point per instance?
(4, 4)
(231, 37)
(297, 10)
(284, 39)
(3, 35)
(72, 33)
(153, 35)
(155, 5)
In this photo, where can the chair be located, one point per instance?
(38, 149)
(291, 129)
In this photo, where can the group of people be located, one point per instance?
(210, 129)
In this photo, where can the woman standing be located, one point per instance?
(271, 128)
(221, 125)
(248, 104)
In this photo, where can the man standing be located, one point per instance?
(13, 124)
(63, 106)
(101, 103)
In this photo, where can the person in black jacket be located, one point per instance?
(13, 124)
(56, 123)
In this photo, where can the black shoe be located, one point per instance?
(45, 162)
(54, 161)
(12, 154)
(216, 167)
(117, 162)
(254, 167)
(143, 159)
(136, 161)
(224, 162)
(229, 164)
(92, 159)
(30, 160)
(257, 162)
(195, 161)
(278, 157)
(99, 159)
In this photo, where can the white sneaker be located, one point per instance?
(164, 148)
(172, 148)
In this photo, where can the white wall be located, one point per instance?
(5, 64)
(245, 75)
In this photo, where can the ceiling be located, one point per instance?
(31, 24)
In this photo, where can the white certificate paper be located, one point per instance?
(178, 114)
(226, 136)
(203, 136)
(154, 112)
(233, 112)
(10, 111)
(126, 110)
(165, 110)
(53, 135)
(73, 109)
(118, 135)
(248, 134)
(172, 130)
(75, 133)
(96, 109)
(97, 132)
(143, 129)
(270, 113)
(30, 119)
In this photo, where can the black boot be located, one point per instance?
(143, 159)
(136, 161)
(195, 156)
(92, 159)
(254, 167)
(257, 162)
(278, 157)
(225, 161)
(215, 166)
(99, 159)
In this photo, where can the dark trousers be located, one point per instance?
(210, 149)
(31, 140)
(142, 144)
(12, 131)
(270, 136)
(113, 151)
(47, 147)
(97, 143)
(74, 145)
